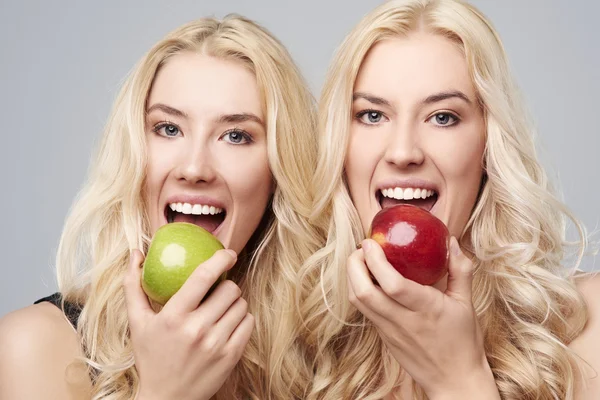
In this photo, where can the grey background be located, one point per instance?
(62, 63)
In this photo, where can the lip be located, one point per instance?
(195, 199)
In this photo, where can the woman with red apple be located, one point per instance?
(207, 130)
(420, 98)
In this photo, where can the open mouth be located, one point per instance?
(420, 197)
(205, 216)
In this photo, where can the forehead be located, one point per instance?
(414, 66)
(195, 83)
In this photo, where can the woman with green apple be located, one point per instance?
(214, 127)
(419, 108)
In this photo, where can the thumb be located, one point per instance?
(460, 273)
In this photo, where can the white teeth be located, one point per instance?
(196, 209)
(398, 194)
(407, 193)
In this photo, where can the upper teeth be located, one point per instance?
(197, 209)
(407, 193)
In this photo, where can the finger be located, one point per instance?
(189, 296)
(370, 314)
(232, 318)
(365, 295)
(217, 304)
(240, 337)
(406, 292)
(460, 273)
(137, 302)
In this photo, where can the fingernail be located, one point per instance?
(366, 244)
(232, 253)
(454, 247)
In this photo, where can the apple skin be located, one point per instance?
(177, 249)
(414, 241)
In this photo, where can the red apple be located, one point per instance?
(414, 241)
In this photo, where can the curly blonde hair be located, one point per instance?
(524, 295)
(109, 218)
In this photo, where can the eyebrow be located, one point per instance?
(434, 98)
(239, 117)
(166, 109)
(380, 101)
(222, 119)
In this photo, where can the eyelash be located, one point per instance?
(452, 115)
(246, 136)
(448, 113)
(162, 125)
(362, 113)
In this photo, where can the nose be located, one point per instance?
(196, 164)
(404, 148)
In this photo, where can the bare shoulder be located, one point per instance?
(38, 348)
(587, 345)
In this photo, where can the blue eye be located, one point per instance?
(370, 117)
(167, 130)
(444, 119)
(237, 136)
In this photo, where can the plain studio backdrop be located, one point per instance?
(63, 62)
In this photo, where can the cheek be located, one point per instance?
(458, 153)
(361, 161)
(460, 163)
(248, 177)
(160, 161)
(365, 152)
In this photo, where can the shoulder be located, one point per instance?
(587, 345)
(38, 346)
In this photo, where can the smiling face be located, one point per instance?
(207, 148)
(418, 133)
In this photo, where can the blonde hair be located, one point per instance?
(109, 218)
(526, 301)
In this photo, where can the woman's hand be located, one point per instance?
(434, 336)
(188, 349)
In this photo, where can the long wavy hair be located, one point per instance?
(109, 218)
(524, 295)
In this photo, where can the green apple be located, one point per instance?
(175, 252)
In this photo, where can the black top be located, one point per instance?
(71, 310)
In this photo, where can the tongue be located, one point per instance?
(426, 204)
(208, 222)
